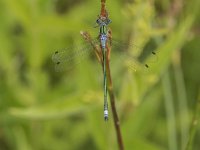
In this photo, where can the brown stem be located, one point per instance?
(114, 111)
(87, 37)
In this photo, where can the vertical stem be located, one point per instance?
(194, 125)
(182, 99)
(114, 112)
(170, 112)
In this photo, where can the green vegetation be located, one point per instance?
(41, 109)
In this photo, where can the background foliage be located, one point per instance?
(44, 110)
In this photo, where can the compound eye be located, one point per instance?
(97, 21)
(108, 21)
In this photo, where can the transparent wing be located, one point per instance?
(66, 59)
(134, 57)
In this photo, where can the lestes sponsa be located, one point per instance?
(65, 58)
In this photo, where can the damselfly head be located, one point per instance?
(103, 21)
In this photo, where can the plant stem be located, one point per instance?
(98, 53)
(112, 102)
(194, 125)
(170, 112)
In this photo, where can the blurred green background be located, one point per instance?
(44, 110)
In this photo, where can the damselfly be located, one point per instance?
(65, 58)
